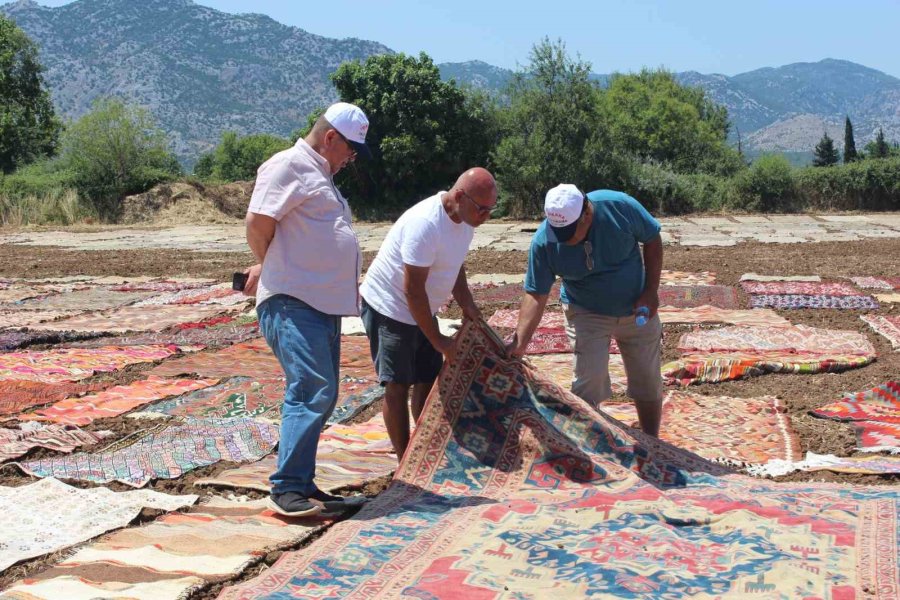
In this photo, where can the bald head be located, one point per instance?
(478, 183)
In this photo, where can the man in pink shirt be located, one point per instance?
(299, 228)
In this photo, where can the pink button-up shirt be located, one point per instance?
(314, 255)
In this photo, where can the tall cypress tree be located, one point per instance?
(881, 148)
(849, 143)
(826, 154)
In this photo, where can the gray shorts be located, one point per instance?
(401, 352)
(641, 349)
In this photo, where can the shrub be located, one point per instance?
(768, 185)
(872, 184)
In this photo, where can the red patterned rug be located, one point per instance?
(874, 414)
(514, 488)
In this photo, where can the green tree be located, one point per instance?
(424, 132)
(29, 128)
(849, 143)
(552, 131)
(654, 118)
(238, 158)
(115, 150)
(825, 153)
(878, 148)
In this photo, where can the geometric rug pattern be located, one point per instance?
(791, 301)
(514, 488)
(874, 414)
(691, 296)
(71, 364)
(166, 559)
(799, 287)
(165, 454)
(48, 515)
(60, 438)
(735, 431)
(886, 325)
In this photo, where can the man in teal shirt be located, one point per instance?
(593, 243)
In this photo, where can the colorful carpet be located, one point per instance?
(133, 318)
(13, 319)
(11, 295)
(48, 515)
(560, 369)
(757, 277)
(871, 464)
(72, 364)
(166, 454)
(716, 355)
(186, 339)
(172, 555)
(252, 359)
(888, 326)
(799, 287)
(13, 340)
(691, 296)
(509, 318)
(96, 298)
(347, 456)
(513, 488)
(162, 286)
(687, 278)
(244, 397)
(356, 391)
(553, 341)
(61, 438)
(792, 301)
(874, 414)
(713, 314)
(115, 401)
(16, 396)
(735, 431)
(877, 283)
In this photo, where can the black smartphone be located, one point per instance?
(239, 281)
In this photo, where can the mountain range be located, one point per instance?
(201, 72)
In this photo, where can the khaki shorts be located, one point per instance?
(641, 348)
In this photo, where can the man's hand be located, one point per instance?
(515, 348)
(252, 280)
(650, 299)
(446, 346)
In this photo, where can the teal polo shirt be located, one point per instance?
(617, 280)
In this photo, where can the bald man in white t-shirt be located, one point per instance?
(419, 265)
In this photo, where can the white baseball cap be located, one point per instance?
(563, 206)
(352, 123)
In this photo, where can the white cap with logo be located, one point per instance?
(352, 123)
(563, 205)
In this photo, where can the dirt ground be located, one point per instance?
(800, 392)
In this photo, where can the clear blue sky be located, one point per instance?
(613, 35)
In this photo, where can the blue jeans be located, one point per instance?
(307, 343)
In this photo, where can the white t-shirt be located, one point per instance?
(424, 236)
(314, 255)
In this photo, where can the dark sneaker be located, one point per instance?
(333, 503)
(292, 504)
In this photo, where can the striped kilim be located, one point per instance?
(874, 414)
(715, 355)
(19, 395)
(252, 359)
(347, 456)
(60, 438)
(713, 314)
(114, 401)
(509, 318)
(166, 454)
(687, 278)
(886, 325)
(514, 488)
(72, 364)
(48, 515)
(169, 557)
(560, 369)
(736, 431)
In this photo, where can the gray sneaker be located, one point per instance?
(293, 504)
(333, 503)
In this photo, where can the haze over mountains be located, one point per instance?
(201, 72)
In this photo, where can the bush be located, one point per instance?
(767, 186)
(872, 184)
(664, 192)
(238, 158)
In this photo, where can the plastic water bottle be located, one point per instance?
(641, 315)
